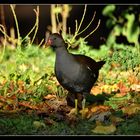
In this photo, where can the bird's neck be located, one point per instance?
(61, 50)
(63, 56)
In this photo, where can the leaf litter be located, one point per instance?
(55, 109)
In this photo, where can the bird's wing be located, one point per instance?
(89, 62)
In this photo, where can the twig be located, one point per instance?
(4, 44)
(37, 23)
(76, 24)
(65, 14)
(57, 18)
(88, 24)
(3, 17)
(17, 27)
(93, 30)
(53, 19)
(4, 32)
(82, 18)
(41, 43)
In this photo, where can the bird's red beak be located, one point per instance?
(49, 42)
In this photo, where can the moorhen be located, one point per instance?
(76, 73)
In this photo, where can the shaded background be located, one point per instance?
(26, 20)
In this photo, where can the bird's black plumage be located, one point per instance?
(76, 73)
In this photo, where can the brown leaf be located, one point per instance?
(49, 121)
(94, 110)
(49, 96)
(115, 119)
(101, 116)
(1, 104)
(109, 88)
(99, 108)
(72, 112)
(120, 94)
(2, 99)
(132, 79)
(135, 87)
(114, 65)
(101, 129)
(71, 117)
(123, 89)
(96, 90)
(132, 109)
(20, 83)
(27, 104)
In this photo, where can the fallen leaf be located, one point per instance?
(49, 121)
(49, 96)
(2, 99)
(96, 90)
(115, 119)
(109, 88)
(1, 104)
(132, 109)
(73, 111)
(99, 108)
(100, 116)
(132, 79)
(20, 83)
(135, 87)
(27, 104)
(101, 129)
(84, 112)
(120, 94)
(123, 89)
(71, 118)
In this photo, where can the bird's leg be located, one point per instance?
(83, 103)
(76, 106)
(84, 100)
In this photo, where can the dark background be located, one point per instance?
(26, 20)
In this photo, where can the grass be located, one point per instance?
(23, 124)
(18, 125)
(33, 74)
(27, 78)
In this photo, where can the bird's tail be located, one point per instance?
(100, 64)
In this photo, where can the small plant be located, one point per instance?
(123, 39)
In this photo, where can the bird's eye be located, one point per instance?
(54, 38)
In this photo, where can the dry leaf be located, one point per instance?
(132, 79)
(84, 112)
(132, 109)
(120, 94)
(71, 118)
(96, 90)
(100, 116)
(99, 108)
(115, 119)
(123, 89)
(135, 87)
(49, 121)
(49, 96)
(72, 112)
(109, 88)
(27, 104)
(101, 129)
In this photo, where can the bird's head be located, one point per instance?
(55, 40)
